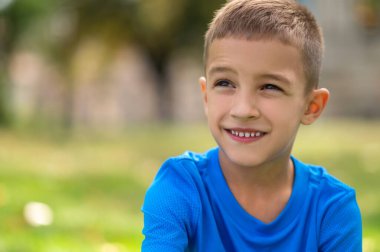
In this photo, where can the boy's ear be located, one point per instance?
(203, 84)
(316, 105)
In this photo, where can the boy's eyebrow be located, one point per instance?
(278, 77)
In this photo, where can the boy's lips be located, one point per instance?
(245, 135)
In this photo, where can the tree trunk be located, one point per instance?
(160, 62)
(4, 95)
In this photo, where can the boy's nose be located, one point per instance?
(244, 106)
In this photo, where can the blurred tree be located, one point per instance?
(163, 26)
(160, 27)
(16, 17)
(368, 13)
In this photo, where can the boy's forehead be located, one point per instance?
(244, 47)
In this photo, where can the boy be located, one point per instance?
(262, 64)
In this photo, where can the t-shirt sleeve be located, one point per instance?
(170, 210)
(341, 228)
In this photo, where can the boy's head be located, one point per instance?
(262, 62)
(283, 20)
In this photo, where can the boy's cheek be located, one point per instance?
(205, 108)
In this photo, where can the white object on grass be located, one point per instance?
(38, 214)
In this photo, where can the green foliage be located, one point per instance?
(95, 184)
(20, 16)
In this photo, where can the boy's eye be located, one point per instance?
(223, 83)
(271, 87)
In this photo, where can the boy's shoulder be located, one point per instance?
(196, 157)
(190, 162)
(319, 179)
(173, 198)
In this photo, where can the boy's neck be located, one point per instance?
(262, 191)
(267, 176)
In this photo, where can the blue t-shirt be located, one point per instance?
(189, 207)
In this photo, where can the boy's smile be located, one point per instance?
(254, 99)
(245, 135)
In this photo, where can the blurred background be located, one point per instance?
(94, 95)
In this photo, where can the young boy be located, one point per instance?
(262, 64)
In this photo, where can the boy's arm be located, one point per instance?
(341, 228)
(170, 211)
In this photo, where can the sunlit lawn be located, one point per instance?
(95, 184)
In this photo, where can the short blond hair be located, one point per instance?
(285, 20)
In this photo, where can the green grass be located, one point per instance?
(95, 184)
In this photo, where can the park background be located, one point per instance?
(95, 95)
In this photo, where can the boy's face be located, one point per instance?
(255, 99)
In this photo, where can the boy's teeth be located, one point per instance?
(246, 134)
